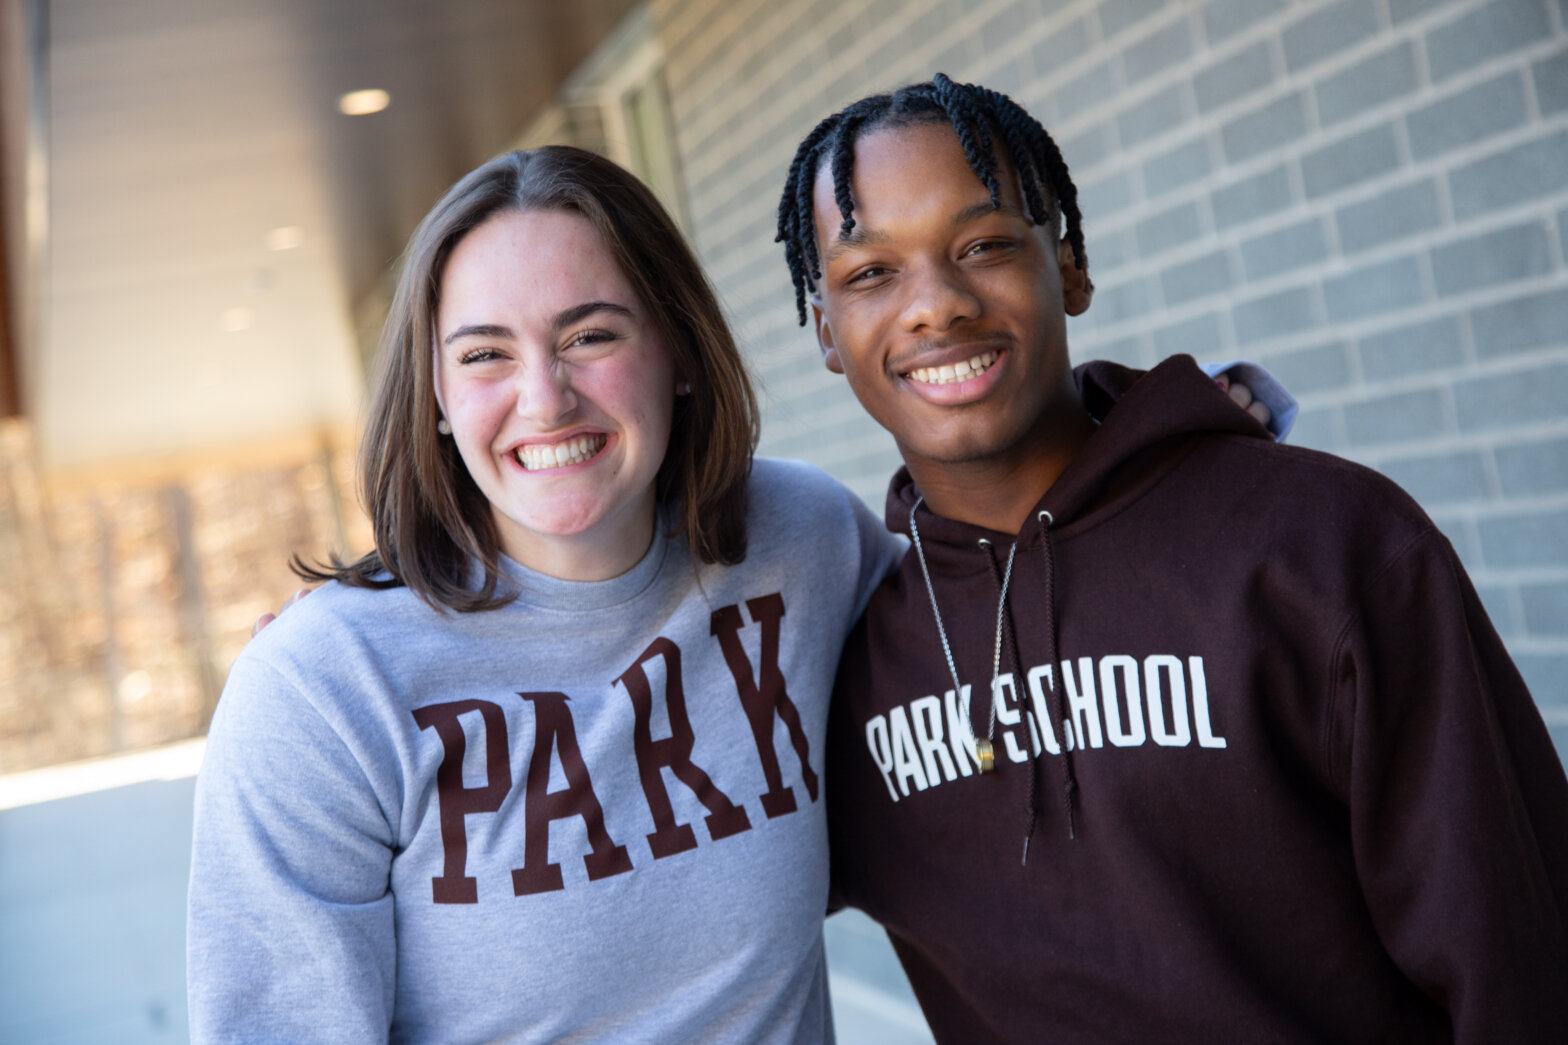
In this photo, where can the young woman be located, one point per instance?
(545, 765)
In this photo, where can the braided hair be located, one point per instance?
(978, 115)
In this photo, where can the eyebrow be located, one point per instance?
(861, 236)
(478, 330)
(980, 210)
(564, 318)
(578, 313)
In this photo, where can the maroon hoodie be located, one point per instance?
(1303, 796)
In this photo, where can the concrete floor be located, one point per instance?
(93, 867)
(92, 917)
(871, 998)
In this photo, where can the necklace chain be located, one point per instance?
(985, 753)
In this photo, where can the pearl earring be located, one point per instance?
(444, 427)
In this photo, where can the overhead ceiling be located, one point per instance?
(182, 132)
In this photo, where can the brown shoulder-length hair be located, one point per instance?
(430, 519)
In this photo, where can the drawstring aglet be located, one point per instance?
(1070, 787)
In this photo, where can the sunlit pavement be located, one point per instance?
(92, 901)
(872, 1004)
(93, 865)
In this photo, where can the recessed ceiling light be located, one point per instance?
(285, 237)
(363, 103)
(237, 319)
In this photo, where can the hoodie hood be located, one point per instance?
(1165, 407)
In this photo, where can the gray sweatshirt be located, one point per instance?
(593, 815)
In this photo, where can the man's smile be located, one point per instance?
(946, 374)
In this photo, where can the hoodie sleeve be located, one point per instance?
(290, 922)
(1457, 800)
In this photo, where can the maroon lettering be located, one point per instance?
(724, 817)
(458, 802)
(554, 731)
(765, 697)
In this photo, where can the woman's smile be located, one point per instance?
(541, 457)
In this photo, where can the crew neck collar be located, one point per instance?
(542, 591)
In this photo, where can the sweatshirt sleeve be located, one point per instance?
(1457, 799)
(290, 920)
(880, 552)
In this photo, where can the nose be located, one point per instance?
(937, 297)
(544, 393)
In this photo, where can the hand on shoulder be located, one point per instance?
(1242, 396)
(267, 618)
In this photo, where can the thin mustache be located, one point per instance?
(937, 345)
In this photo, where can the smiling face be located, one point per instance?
(559, 392)
(948, 317)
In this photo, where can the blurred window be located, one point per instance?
(616, 104)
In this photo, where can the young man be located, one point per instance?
(1257, 766)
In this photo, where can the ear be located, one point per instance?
(825, 337)
(436, 389)
(436, 386)
(1077, 288)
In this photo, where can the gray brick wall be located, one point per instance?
(1369, 196)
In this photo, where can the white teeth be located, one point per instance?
(535, 456)
(960, 371)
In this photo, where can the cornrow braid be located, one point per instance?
(967, 121)
(800, 253)
(980, 118)
(843, 160)
(1046, 164)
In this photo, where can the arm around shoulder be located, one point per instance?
(835, 528)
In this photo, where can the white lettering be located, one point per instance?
(1004, 695)
(1181, 733)
(1200, 705)
(881, 751)
(906, 760)
(1124, 665)
(956, 733)
(927, 742)
(1042, 712)
(1082, 706)
(926, 716)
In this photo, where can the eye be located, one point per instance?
(868, 274)
(590, 337)
(987, 246)
(477, 355)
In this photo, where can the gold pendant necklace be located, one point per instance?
(985, 751)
